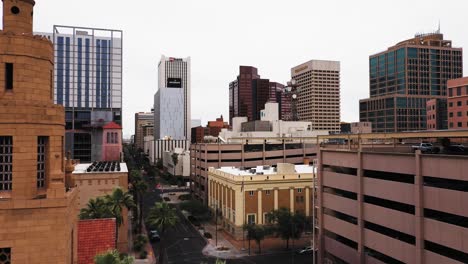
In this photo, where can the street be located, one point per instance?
(184, 244)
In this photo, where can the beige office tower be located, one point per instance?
(318, 93)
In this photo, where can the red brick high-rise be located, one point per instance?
(248, 95)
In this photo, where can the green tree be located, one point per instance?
(138, 188)
(116, 201)
(175, 160)
(96, 209)
(162, 217)
(112, 257)
(259, 233)
(139, 242)
(286, 224)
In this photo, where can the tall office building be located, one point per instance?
(88, 82)
(38, 209)
(144, 126)
(249, 93)
(318, 97)
(404, 77)
(172, 107)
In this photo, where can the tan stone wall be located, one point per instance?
(40, 231)
(39, 225)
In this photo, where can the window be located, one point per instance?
(299, 190)
(402, 207)
(459, 114)
(267, 192)
(6, 163)
(459, 91)
(459, 124)
(251, 219)
(451, 104)
(459, 103)
(451, 114)
(9, 76)
(446, 251)
(390, 232)
(41, 161)
(251, 193)
(450, 92)
(5, 255)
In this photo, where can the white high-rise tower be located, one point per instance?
(172, 106)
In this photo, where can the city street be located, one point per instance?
(184, 244)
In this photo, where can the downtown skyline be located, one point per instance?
(285, 35)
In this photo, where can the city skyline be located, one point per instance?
(365, 32)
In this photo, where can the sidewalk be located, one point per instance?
(268, 245)
(150, 258)
(211, 249)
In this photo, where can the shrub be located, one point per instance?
(139, 243)
(208, 235)
(185, 197)
(143, 254)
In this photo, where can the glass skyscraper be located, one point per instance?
(405, 77)
(88, 82)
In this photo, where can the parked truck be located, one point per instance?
(424, 147)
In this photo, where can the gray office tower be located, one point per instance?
(88, 83)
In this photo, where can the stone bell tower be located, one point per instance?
(33, 194)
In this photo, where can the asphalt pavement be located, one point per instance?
(184, 244)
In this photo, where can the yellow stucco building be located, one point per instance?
(246, 196)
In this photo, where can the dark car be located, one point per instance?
(154, 236)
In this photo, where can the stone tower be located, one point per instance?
(37, 211)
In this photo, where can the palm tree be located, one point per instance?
(95, 209)
(116, 201)
(140, 187)
(162, 217)
(112, 257)
(175, 160)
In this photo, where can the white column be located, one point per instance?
(307, 201)
(291, 199)
(275, 196)
(259, 209)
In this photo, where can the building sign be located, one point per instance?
(174, 82)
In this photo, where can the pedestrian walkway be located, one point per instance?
(239, 248)
(213, 248)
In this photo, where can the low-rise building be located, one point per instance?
(436, 110)
(457, 103)
(247, 196)
(361, 127)
(182, 166)
(98, 179)
(388, 204)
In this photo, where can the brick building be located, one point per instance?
(247, 196)
(98, 179)
(386, 204)
(38, 211)
(436, 110)
(249, 93)
(458, 103)
(212, 129)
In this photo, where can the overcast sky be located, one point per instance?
(272, 35)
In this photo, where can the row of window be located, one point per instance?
(6, 162)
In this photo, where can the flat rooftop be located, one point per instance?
(265, 170)
(101, 167)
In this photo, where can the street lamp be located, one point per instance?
(313, 212)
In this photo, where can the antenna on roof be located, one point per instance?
(438, 29)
